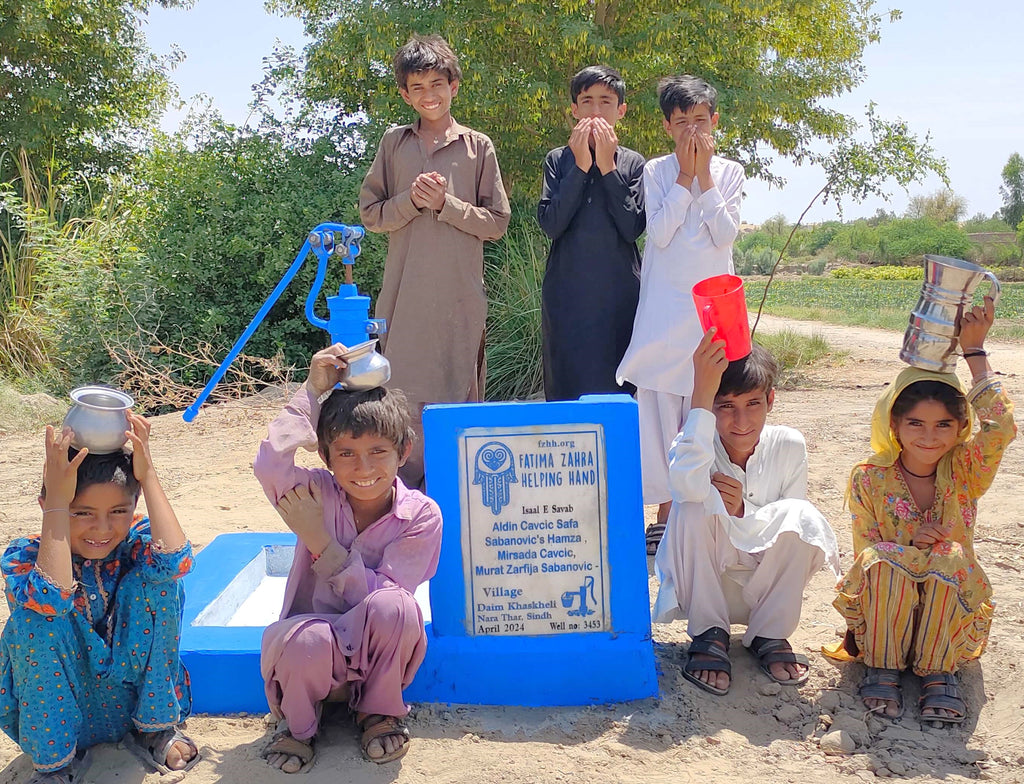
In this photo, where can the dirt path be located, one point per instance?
(759, 732)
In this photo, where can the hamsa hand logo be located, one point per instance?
(495, 471)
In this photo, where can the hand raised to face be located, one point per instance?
(579, 143)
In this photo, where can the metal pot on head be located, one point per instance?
(930, 341)
(366, 368)
(99, 419)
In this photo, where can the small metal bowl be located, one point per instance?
(366, 368)
(99, 419)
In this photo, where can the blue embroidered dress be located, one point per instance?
(85, 666)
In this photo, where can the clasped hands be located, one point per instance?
(605, 144)
(428, 190)
(693, 151)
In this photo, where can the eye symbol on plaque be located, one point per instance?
(495, 470)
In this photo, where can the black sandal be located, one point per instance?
(882, 684)
(714, 643)
(769, 650)
(941, 691)
(653, 536)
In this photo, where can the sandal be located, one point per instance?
(713, 643)
(375, 726)
(69, 774)
(769, 651)
(151, 748)
(941, 691)
(882, 684)
(653, 536)
(283, 742)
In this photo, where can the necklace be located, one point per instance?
(906, 470)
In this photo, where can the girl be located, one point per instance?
(915, 596)
(90, 652)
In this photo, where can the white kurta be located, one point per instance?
(775, 504)
(689, 238)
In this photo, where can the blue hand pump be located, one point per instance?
(348, 321)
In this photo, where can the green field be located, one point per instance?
(870, 303)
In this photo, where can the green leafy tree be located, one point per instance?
(942, 206)
(76, 78)
(775, 62)
(1012, 191)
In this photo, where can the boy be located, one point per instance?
(592, 208)
(435, 188)
(350, 629)
(90, 652)
(693, 213)
(742, 541)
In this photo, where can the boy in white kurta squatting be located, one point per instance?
(742, 541)
(692, 198)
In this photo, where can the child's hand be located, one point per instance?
(686, 153)
(142, 459)
(60, 475)
(731, 491)
(709, 363)
(704, 148)
(975, 324)
(302, 510)
(931, 534)
(428, 191)
(579, 143)
(325, 369)
(605, 144)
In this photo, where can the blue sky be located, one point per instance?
(950, 68)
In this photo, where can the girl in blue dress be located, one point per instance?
(90, 652)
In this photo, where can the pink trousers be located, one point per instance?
(310, 663)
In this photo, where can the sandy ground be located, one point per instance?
(758, 732)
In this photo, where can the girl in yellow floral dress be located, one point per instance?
(916, 596)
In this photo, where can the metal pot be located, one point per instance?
(931, 338)
(99, 419)
(366, 368)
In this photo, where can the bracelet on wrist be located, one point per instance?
(57, 509)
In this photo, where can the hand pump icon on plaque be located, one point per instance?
(569, 598)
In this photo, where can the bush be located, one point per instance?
(885, 272)
(513, 273)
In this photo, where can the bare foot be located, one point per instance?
(384, 738)
(786, 671)
(716, 678)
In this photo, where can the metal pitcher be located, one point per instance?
(99, 419)
(930, 341)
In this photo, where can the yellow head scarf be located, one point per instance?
(884, 444)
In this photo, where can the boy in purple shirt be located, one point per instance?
(350, 629)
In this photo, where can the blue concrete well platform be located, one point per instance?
(234, 592)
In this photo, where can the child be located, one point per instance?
(592, 208)
(915, 596)
(435, 187)
(693, 213)
(350, 629)
(742, 541)
(90, 652)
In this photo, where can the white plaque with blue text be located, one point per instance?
(535, 529)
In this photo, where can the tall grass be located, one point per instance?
(795, 353)
(514, 272)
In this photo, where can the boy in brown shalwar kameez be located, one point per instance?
(435, 188)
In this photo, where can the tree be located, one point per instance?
(774, 62)
(942, 206)
(75, 78)
(1012, 191)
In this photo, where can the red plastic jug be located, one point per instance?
(721, 303)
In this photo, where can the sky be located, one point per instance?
(952, 69)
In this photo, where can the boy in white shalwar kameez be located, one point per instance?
(742, 541)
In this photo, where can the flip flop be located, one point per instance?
(714, 643)
(941, 690)
(768, 651)
(882, 684)
(151, 748)
(376, 726)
